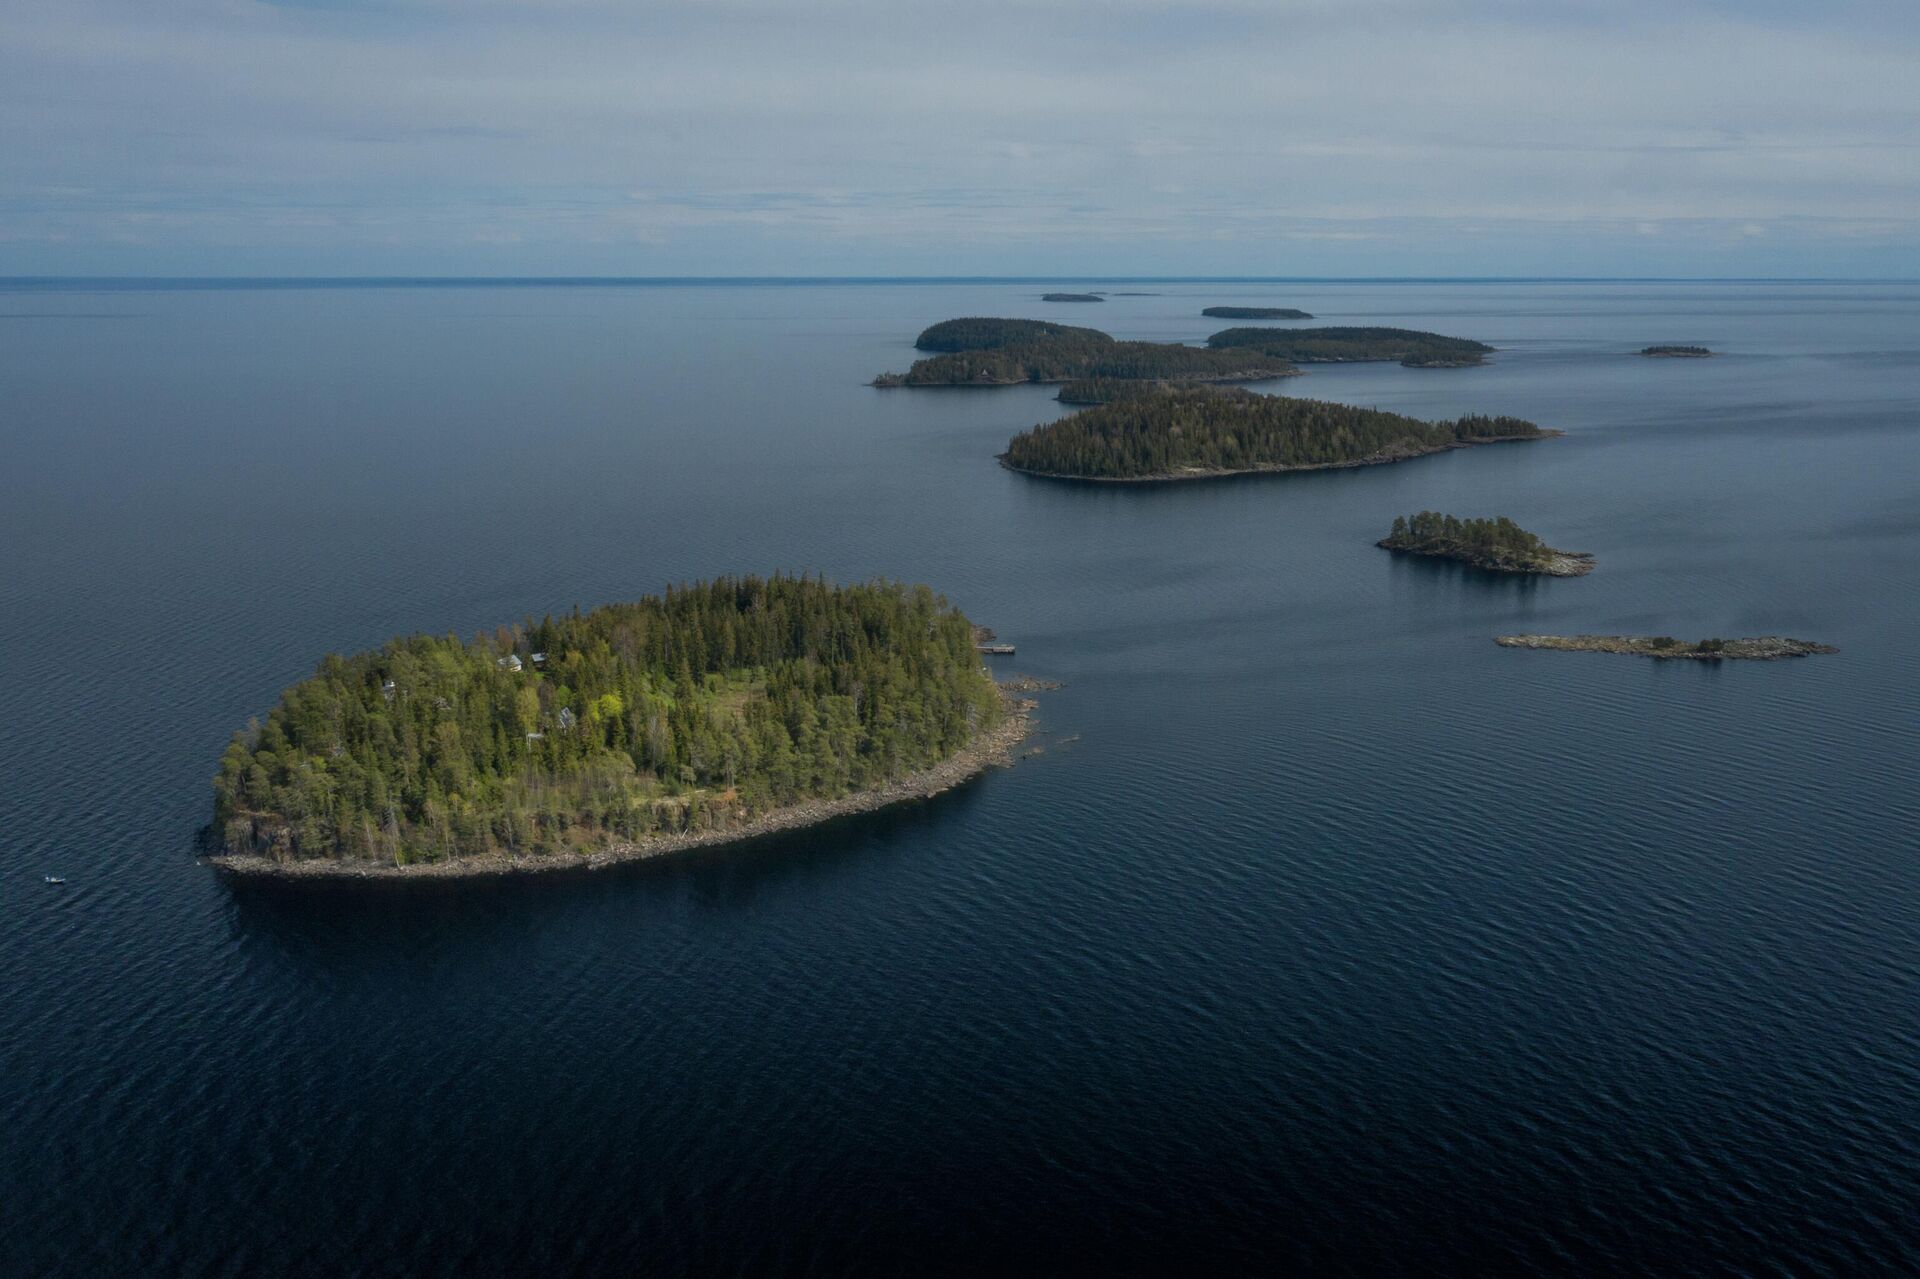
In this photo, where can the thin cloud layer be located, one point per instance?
(587, 136)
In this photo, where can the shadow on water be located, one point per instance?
(1427, 570)
(315, 917)
(1166, 485)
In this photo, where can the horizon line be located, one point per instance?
(429, 281)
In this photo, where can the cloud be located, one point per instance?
(315, 129)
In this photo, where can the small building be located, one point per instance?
(509, 663)
(538, 659)
(387, 690)
(567, 719)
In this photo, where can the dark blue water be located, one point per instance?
(1322, 933)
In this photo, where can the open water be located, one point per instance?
(1320, 934)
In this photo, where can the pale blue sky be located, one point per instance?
(1038, 137)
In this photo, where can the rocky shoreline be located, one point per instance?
(893, 381)
(1558, 563)
(992, 750)
(1206, 473)
(1764, 648)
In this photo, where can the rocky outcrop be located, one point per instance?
(1765, 648)
(1550, 563)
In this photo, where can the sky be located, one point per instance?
(1053, 138)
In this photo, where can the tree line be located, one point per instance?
(1069, 356)
(1255, 313)
(1432, 531)
(984, 333)
(989, 351)
(1104, 390)
(1344, 343)
(1202, 429)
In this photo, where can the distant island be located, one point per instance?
(1255, 313)
(1071, 297)
(986, 351)
(1189, 433)
(1497, 545)
(1344, 345)
(1765, 648)
(989, 333)
(1676, 352)
(716, 711)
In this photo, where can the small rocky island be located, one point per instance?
(1676, 352)
(1348, 345)
(1255, 313)
(1497, 545)
(1190, 433)
(979, 351)
(1765, 648)
(717, 711)
(1071, 297)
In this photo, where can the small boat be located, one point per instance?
(53, 879)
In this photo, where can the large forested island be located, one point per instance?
(1497, 545)
(1676, 352)
(982, 351)
(1255, 313)
(1071, 297)
(713, 711)
(1196, 433)
(1347, 345)
(1764, 648)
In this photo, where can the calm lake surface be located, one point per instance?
(1322, 933)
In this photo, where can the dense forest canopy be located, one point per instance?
(1006, 352)
(1255, 313)
(1430, 530)
(987, 333)
(690, 711)
(1104, 390)
(1201, 430)
(1340, 344)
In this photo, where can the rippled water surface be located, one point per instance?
(1321, 933)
